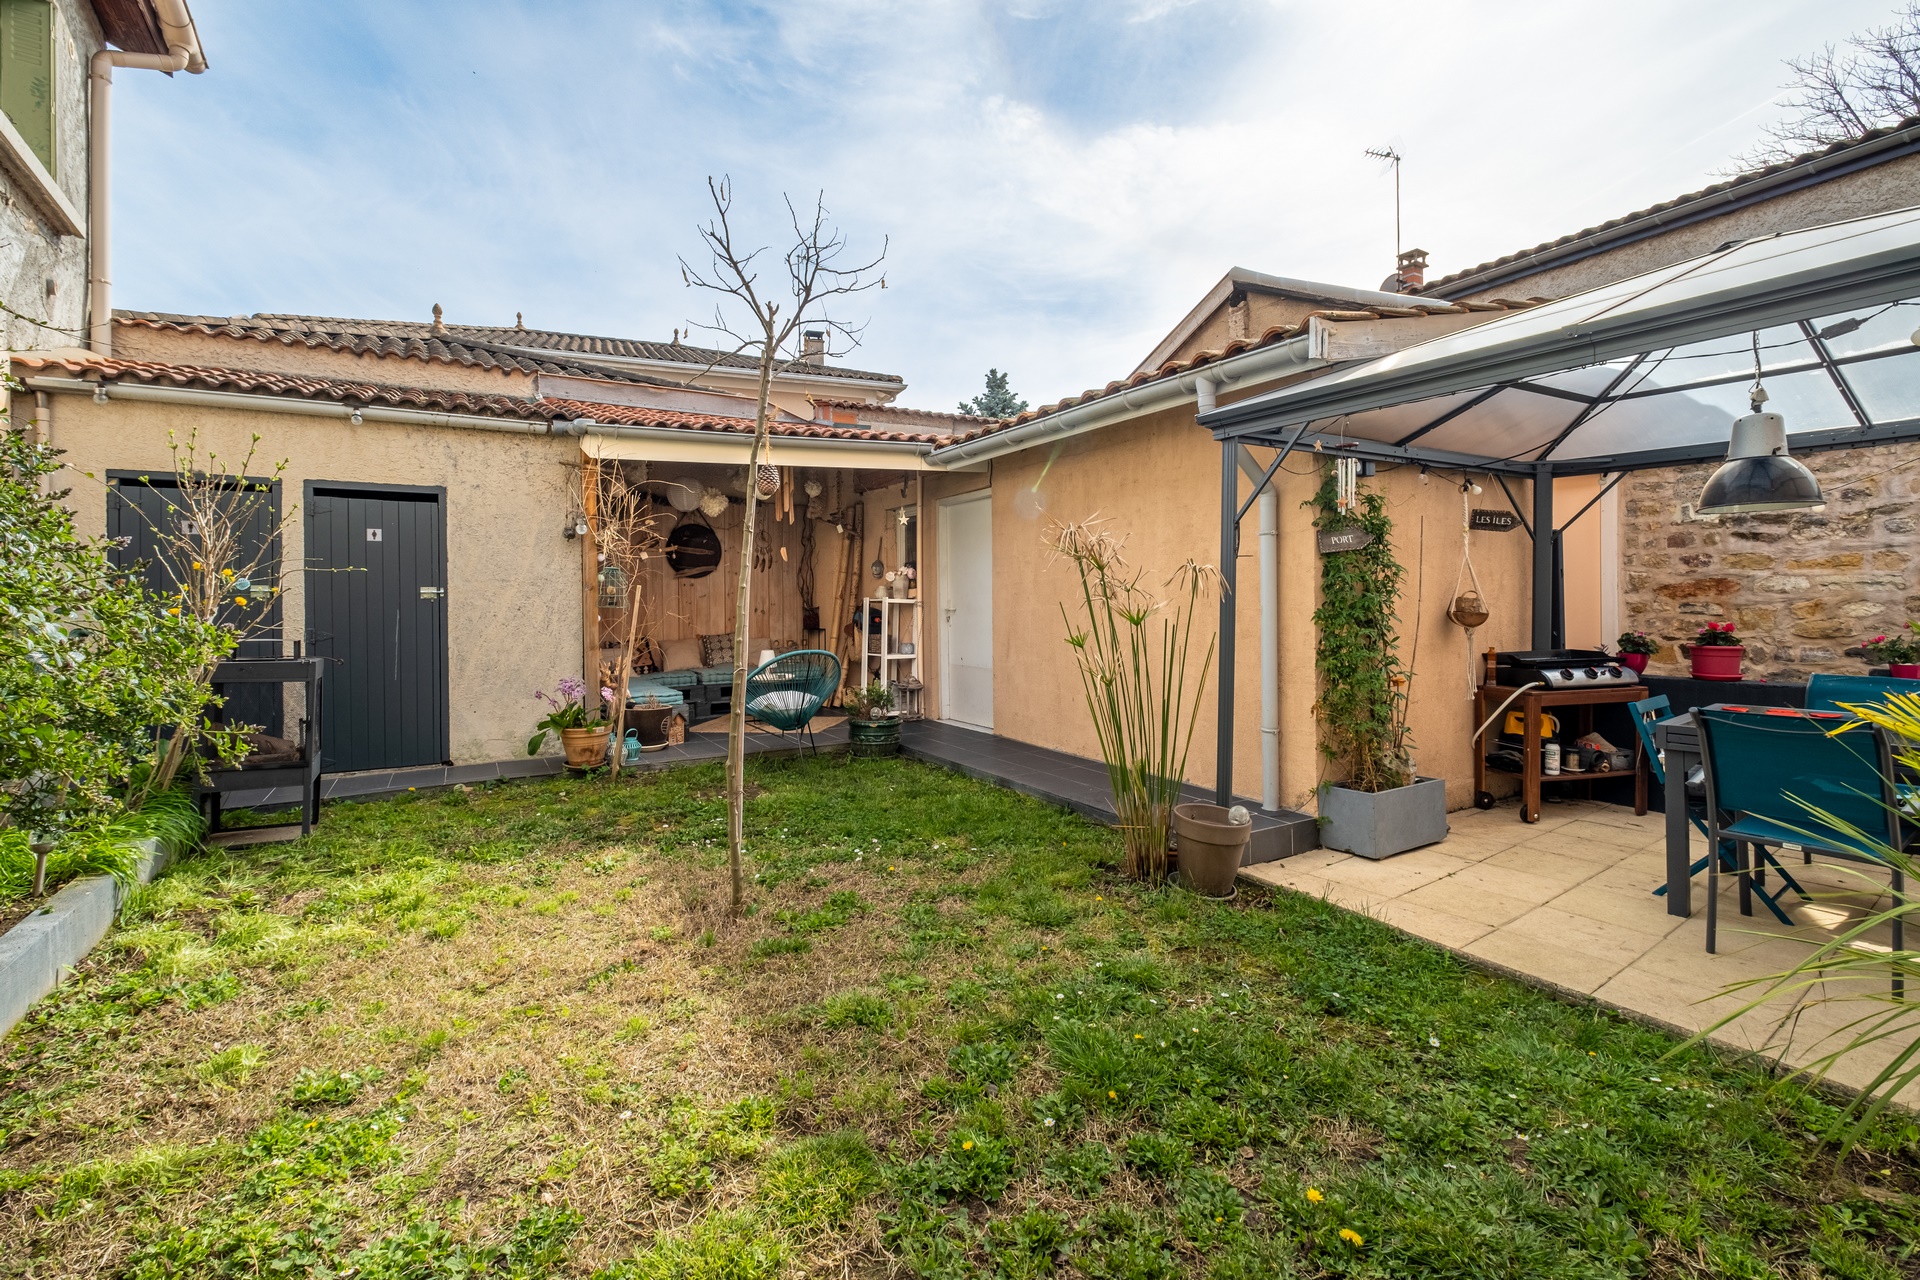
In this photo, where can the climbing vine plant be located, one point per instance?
(1362, 707)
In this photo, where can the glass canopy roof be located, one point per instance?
(1648, 370)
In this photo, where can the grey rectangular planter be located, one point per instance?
(1379, 824)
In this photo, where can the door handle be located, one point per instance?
(950, 613)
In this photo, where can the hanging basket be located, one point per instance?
(1469, 610)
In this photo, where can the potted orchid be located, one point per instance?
(1635, 648)
(1717, 652)
(1901, 652)
(582, 727)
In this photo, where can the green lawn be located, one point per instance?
(511, 1032)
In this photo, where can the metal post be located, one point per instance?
(1543, 541)
(1229, 552)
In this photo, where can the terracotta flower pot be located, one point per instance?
(1211, 848)
(1904, 670)
(1636, 662)
(585, 748)
(1717, 661)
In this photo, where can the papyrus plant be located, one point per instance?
(1135, 654)
(1875, 987)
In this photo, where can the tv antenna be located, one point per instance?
(1393, 158)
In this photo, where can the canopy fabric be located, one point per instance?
(1649, 370)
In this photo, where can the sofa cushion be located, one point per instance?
(717, 650)
(681, 655)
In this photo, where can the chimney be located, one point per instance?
(1412, 272)
(813, 346)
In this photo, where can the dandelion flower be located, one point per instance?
(1098, 898)
(1138, 1036)
(1313, 1194)
(967, 1146)
(1113, 1095)
(1352, 1237)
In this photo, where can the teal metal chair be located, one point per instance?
(1759, 763)
(788, 691)
(1826, 692)
(1647, 713)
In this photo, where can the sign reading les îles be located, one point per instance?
(1500, 521)
(1349, 539)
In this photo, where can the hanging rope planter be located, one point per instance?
(1469, 607)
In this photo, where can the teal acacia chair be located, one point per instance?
(1646, 714)
(789, 690)
(1760, 763)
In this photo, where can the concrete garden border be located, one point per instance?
(42, 949)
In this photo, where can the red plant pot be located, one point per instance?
(1717, 661)
(1904, 670)
(1634, 661)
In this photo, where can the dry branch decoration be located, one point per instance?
(222, 573)
(628, 532)
(773, 315)
(1136, 683)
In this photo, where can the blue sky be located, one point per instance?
(1058, 182)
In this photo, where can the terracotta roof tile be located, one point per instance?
(528, 350)
(629, 415)
(1279, 333)
(359, 394)
(1728, 188)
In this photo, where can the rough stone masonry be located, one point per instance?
(1806, 588)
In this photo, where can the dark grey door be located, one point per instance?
(376, 609)
(140, 509)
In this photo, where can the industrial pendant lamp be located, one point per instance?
(1758, 475)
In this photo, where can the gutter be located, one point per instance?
(623, 431)
(309, 408)
(183, 45)
(1278, 360)
(1894, 146)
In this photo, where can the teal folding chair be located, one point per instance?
(789, 690)
(1763, 766)
(1646, 714)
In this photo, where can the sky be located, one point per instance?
(1055, 183)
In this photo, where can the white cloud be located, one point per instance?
(1060, 181)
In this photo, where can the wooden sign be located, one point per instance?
(1349, 539)
(1498, 521)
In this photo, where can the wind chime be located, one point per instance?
(1468, 609)
(1346, 484)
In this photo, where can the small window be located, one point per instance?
(26, 73)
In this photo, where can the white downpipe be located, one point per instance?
(1269, 524)
(183, 45)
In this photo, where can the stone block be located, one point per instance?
(1782, 582)
(1837, 560)
(1697, 560)
(1679, 539)
(1832, 629)
(1899, 524)
(1808, 608)
(1700, 589)
(1862, 609)
(1747, 560)
(1756, 619)
(1889, 560)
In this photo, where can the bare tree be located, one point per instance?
(1840, 93)
(774, 315)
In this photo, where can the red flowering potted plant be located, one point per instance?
(1635, 648)
(1717, 652)
(1900, 651)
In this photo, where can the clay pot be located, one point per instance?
(1636, 662)
(1211, 848)
(1717, 661)
(1904, 670)
(650, 723)
(585, 748)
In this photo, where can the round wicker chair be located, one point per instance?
(788, 691)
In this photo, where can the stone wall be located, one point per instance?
(1803, 586)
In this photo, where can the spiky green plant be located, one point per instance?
(1847, 968)
(1139, 682)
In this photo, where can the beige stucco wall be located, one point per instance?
(513, 583)
(1158, 480)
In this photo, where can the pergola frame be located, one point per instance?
(1822, 280)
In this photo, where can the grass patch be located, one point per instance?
(513, 1031)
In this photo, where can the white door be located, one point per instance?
(966, 609)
